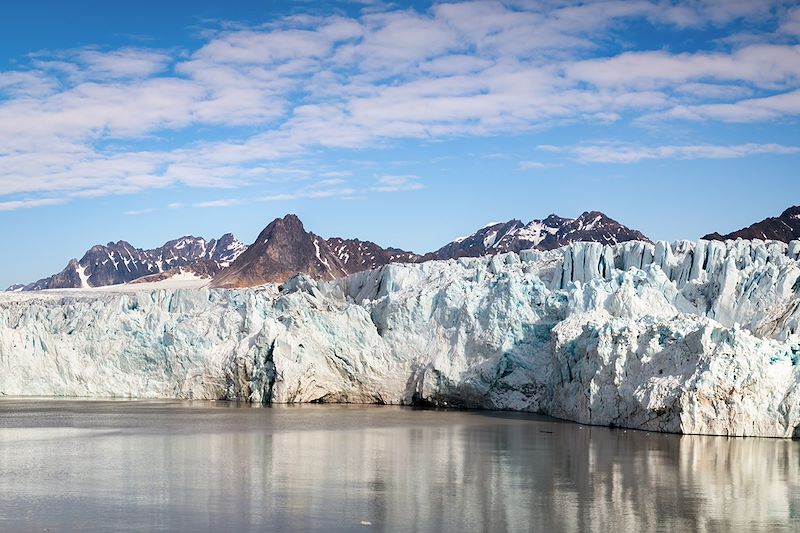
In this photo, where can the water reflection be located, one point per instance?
(174, 466)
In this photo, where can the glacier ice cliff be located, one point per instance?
(688, 337)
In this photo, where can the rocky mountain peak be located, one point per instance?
(284, 248)
(791, 212)
(785, 227)
(121, 262)
(289, 227)
(546, 234)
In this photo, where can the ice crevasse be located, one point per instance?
(687, 337)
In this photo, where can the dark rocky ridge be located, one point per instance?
(547, 234)
(285, 248)
(785, 227)
(121, 262)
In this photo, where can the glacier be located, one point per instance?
(686, 337)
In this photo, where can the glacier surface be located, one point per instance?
(688, 337)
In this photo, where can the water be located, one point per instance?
(196, 466)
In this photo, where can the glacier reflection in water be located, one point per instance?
(189, 466)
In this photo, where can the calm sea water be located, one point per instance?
(205, 466)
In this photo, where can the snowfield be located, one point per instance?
(688, 337)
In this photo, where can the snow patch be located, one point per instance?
(83, 276)
(489, 239)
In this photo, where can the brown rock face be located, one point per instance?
(785, 227)
(284, 248)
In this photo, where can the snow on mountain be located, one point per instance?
(550, 233)
(356, 255)
(284, 248)
(120, 262)
(691, 337)
(785, 228)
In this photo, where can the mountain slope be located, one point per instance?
(120, 262)
(785, 227)
(285, 248)
(547, 234)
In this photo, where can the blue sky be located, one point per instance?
(406, 124)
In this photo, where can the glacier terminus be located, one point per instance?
(686, 337)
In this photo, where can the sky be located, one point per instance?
(408, 124)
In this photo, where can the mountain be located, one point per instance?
(285, 248)
(785, 227)
(120, 262)
(548, 234)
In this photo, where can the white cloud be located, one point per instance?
(309, 193)
(140, 212)
(124, 63)
(336, 174)
(26, 84)
(536, 165)
(714, 91)
(71, 121)
(761, 65)
(13, 205)
(549, 148)
(715, 12)
(390, 183)
(395, 39)
(746, 110)
(496, 155)
(455, 64)
(225, 202)
(791, 23)
(344, 190)
(616, 153)
(330, 182)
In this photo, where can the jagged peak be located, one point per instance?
(289, 224)
(593, 214)
(290, 218)
(287, 221)
(553, 219)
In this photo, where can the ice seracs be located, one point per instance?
(693, 337)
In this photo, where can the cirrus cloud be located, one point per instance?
(626, 153)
